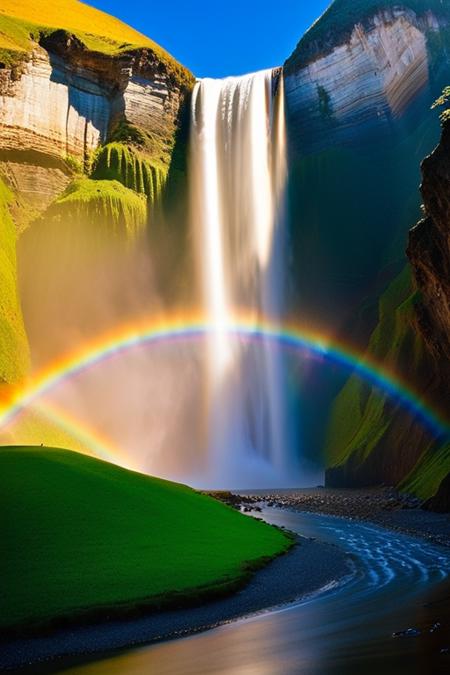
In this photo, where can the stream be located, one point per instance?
(342, 631)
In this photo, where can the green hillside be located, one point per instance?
(81, 534)
(14, 355)
(26, 21)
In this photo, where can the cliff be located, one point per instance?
(380, 60)
(429, 254)
(73, 78)
(90, 110)
(381, 443)
(359, 88)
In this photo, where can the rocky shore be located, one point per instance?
(383, 506)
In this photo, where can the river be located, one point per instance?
(346, 630)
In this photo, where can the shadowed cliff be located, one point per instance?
(380, 444)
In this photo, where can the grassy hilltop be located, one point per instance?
(23, 22)
(79, 534)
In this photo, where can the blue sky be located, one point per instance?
(220, 38)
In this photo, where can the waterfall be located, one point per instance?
(237, 186)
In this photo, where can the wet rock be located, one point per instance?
(409, 632)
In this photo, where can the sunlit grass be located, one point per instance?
(82, 534)
(20, 22)
(13, 344)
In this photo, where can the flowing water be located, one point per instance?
(238, 175)
(347, 631)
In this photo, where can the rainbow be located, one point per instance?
(163, 330)
(98, 444)
(95, 443)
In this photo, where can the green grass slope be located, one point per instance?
(14, 357)
(23, 22)
(80, 534)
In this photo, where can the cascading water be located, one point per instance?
(238, 175)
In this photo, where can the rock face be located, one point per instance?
(429, 252)
(440, 502)
(366, 82)
(61, 100)
(359, 88)
(381, 444)
(65, 100)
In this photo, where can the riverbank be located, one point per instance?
(382, 506)
(101, 540)
(309, 567)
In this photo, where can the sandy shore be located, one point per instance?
(306, 569)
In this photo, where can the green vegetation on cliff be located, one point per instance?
(359, 419)
(149, 143)
(24, 22)
(127, 165)
(101, 202)
(14, 356)
(84, 535)
(371, 439)
(336, 24)
(427, 475)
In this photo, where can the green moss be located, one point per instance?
(14, 356)
(325, 107)
(426, 477)
(80, 535)
(364, 419)
(123, 163)
(359, 420)
(337, 22)
(24, 23)
(390, 340)
(15, 40)
(105, 203)
(74, 164)
(156, 147)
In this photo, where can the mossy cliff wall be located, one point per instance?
(429, 254)
(64, 94)
(89, 116)
(13, 344)
(359, 87)
(370, 440)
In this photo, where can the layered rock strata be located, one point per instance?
(364, 82)
(64, 101)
